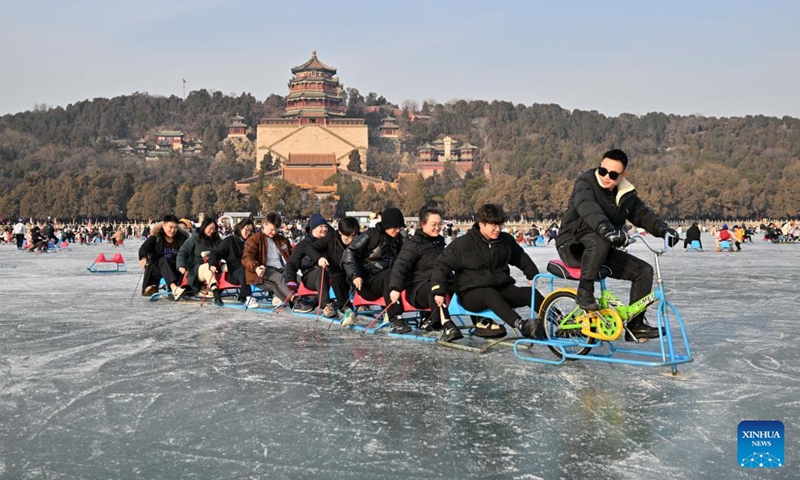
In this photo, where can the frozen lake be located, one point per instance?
(92, 387)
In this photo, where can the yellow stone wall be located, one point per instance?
(282, 140)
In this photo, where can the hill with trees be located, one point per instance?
(65, 162)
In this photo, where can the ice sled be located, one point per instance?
(102, 264)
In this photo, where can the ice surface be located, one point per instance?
(92, 387)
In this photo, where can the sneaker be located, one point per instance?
(330, 311)
(349, 318)
(150, 290)
(399, 326)
(303, 307)
(251, 302)
(638, 329)
(533, 328)
(451, 333)
(276, 301)
(486, 328)
(429, 325)
(177, 293)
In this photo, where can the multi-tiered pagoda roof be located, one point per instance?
(315, 91)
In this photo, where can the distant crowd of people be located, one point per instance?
(40, 235)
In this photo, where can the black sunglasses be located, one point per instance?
(611, 173)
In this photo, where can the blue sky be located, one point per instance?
(713, 58)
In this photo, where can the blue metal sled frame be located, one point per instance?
(666, 355)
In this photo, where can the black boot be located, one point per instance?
(451, 333)
(639, 329)
(398, 325)
(217, 297)
(533, 328)
(586, 298)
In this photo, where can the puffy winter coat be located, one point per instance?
(371, 253)
(311, 249)
(477, 262)
(153, 249)
(414, 263)
(305, 256)
(693, 233)
(590, 205)
(230, 249)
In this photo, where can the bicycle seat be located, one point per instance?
(560, 269)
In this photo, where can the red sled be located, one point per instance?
(102, 264)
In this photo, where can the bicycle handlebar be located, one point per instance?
(637, 236)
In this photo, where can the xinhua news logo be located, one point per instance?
(760, 444)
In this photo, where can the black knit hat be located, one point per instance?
(392, 218)
(315, 221)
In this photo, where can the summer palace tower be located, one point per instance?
(314, 123)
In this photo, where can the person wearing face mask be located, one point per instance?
(230, 251)
(368, 263)
(602, 201)
(264, 259)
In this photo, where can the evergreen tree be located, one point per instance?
(354, 165)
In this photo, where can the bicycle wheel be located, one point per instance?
(559, 310)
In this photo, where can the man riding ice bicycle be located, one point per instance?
(602, 200)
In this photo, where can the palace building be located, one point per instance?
(237, 128)
(389, 128)
(312, 140)
(314, 121)
(433, 157)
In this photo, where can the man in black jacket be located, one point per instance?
(320, 269)
(479, 261)
(602, 200)
(332, 247)
(158, 256)
(368, 263)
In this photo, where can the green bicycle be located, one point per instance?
(572, 333)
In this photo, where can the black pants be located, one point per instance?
(376, 287)
(689, 241)
(20, 238)
(237, 277)
(501, 301)
(161, 268)
(337, 280)
(422, 297)
(594, 251)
